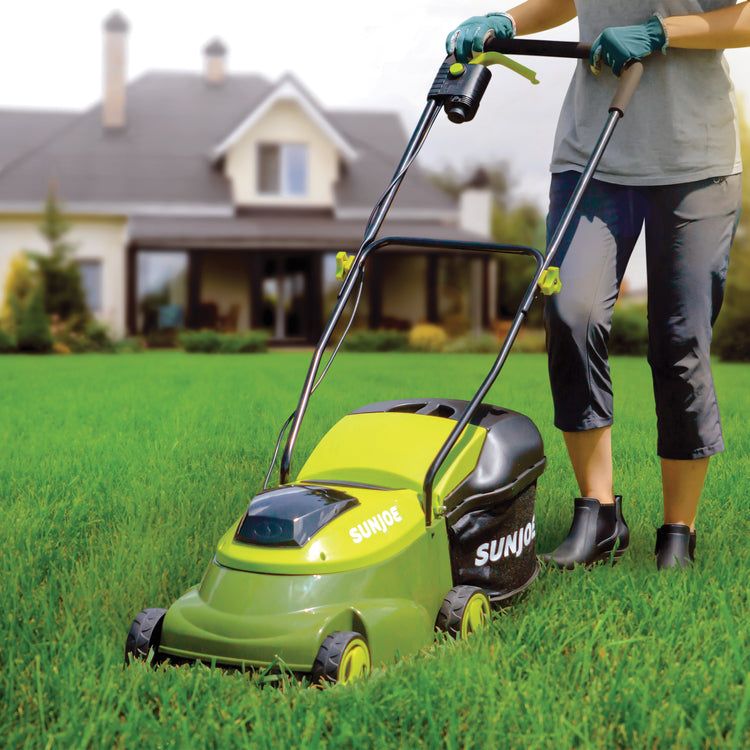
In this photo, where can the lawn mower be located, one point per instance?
(410, 515)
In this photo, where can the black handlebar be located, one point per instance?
(538, 48)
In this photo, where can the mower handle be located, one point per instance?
(538, 48)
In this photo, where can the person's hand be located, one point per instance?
(468, 39)
(618, 46)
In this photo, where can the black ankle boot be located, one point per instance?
(675, 546)
(596, 531)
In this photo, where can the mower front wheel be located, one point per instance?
(144, 634)
(465, 609)
(343, 656)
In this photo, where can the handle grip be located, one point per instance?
(538, 48)
(629, 81)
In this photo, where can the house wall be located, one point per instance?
(94, 238)
(285, 122)
(225, 281)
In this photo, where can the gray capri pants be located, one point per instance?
(689, 230)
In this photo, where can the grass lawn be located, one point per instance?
(119, 473)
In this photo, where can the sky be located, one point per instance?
(349, 54)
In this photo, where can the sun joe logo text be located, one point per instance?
(380, 523)
(505, 546)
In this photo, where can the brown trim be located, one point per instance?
(195, 268)
(431, 281)
(130, 284)
(486, 293)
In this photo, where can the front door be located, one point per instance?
(287, 298)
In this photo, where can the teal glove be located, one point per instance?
(468, 39)
(618, 46)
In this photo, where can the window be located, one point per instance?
(161, 289)
(91, 281)
(282, 169)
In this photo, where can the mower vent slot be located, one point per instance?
(411, 408)
(443, 410)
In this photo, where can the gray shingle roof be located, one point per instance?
(162, 156)
(279, 231)
(24, 129)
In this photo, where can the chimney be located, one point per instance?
(215, 68)
(113, 103)
(475, 204)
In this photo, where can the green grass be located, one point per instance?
(118, 474)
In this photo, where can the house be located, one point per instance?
(220, 200)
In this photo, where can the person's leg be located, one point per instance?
(592, 263)
(590, 453)
(688, 239)
(682, 485)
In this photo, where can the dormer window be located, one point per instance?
(282, 169)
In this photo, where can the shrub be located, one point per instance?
(485, 343)
(7, 342)
(80, 335)
(531, 341)
(427, 337)
(244, 343)
(210, 342)
(629, 334)
(33, 334)
(204, 342)
(376, 341)
(731, 340)
(130, 346)
(20, 284)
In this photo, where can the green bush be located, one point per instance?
(212, 342)
(203, 342)
(731, 340)
(244, 343)
(485, 343)
(629, 334)
(33, 334)
(427, 337)
(376, 341)
(79, 335)
(129, 346)
(7, 342)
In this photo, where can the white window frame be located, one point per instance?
(284, 190)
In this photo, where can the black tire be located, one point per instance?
(144, 635)
(465, 609)
(344, 655)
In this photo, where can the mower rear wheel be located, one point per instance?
(144, 634)
(465, 609)
(343, 656)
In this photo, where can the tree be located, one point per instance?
(33, 333)
(61, 279)
(732, 333)
(20, 284)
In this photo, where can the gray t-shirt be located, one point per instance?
(682, 123)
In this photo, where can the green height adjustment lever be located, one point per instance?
(495, 58)
(343, 264)
(549, 281)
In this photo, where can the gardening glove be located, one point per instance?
(618, 46)
(468, 39)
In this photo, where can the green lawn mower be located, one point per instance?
(409, 515)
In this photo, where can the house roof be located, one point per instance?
(288, 89)
(160, 162)
(290, 231)
(24, 129)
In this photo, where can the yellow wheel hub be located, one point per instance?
(355, 661)
(476, 615)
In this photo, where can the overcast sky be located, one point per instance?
(349, 54)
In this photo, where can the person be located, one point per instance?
(674, 166)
